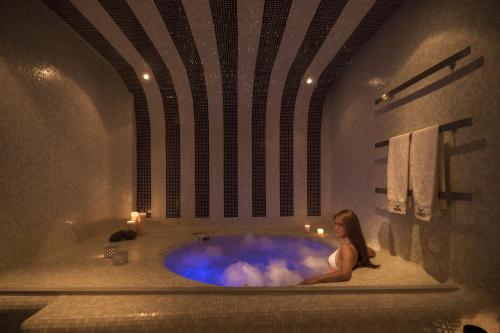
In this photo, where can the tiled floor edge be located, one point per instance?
(13, 314)
(441, 288)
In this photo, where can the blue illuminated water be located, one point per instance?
(250, 260)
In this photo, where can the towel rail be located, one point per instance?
(457, 196)
(450, 61)
(442, 128)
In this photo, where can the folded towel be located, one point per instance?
(397, 173)
(423, 171)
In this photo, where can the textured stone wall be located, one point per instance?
(462, 245)
(66, 134)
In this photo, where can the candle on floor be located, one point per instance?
(307, 227)
(134, 216)
(142, 217)
(321, 232)
(131, 225)
(140, 223)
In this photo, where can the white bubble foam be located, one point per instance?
(241, 273)
(278, 274)
(315, 264)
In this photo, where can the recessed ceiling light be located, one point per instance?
(309, 80)
(145, 76)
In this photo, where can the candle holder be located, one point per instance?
(142, 216)
(131, 225)
(140, 224)
(307, 228)
(109, 251)
(134, 216)
(321, 231)
(120, 258)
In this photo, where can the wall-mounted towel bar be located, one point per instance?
(457, 196)
(442, 128)
(450, 61)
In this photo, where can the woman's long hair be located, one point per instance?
(356, 237)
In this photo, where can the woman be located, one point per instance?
(352, 252)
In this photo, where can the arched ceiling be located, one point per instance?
(228, 101)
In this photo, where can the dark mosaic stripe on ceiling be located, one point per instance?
(373, 20)
(172, 156)
(224, 15)
(176, 21)
(125, 19)
(72, 16)
(324, 19)
(273, 25)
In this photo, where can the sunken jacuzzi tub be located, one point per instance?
(83, 270)
(250, 260)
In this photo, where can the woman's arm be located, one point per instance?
(344, 274)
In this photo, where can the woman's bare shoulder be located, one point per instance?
(349, 247)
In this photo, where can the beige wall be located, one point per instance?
(462, 245)
(66, 136)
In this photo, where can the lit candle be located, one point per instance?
(321, 232)
(142, 217)
(134, 216)
(130, 225)
(140, 223)
(307, 227)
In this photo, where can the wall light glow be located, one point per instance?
(46, 73)
(376, 82)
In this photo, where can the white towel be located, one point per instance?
(424, 171)
(397, 173)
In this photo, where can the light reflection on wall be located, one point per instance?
(376, 82)
(46, 73)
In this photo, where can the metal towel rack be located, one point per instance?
(450, 61)
(458, 196)
(442, 128)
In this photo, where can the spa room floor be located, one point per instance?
(81, 291)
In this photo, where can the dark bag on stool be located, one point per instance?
(117, 236)
(129, 235)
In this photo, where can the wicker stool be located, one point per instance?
(120, 258)
(110, 250)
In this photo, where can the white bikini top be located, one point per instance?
(332, 259)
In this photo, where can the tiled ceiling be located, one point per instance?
(203, 60)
